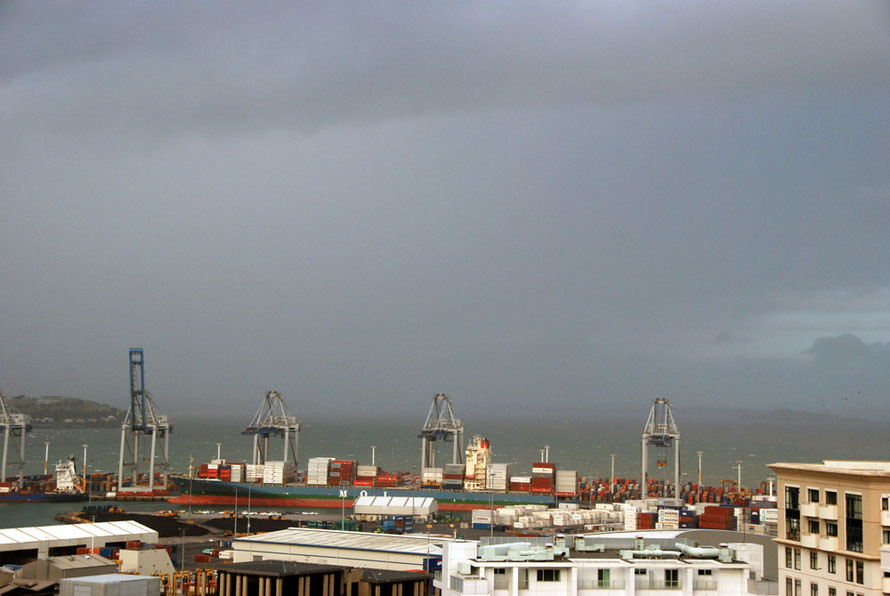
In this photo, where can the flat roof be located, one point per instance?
(877, 469)
(105, 530)
(276, 568)
(317, 538)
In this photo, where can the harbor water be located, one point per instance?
(577, 445)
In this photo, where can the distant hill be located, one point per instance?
(61, 412)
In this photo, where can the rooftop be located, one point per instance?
(833, 466)
(277, 568)
(418, 544)
(105, 530)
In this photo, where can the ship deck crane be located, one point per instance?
(142, 421)
(273, 419)
(441, 424)
(16, 425)
(660, 431)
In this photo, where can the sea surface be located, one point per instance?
(582, 445)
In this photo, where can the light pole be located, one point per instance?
(182, 552)
(699, 491)
(86, 479)
(612, 477)
(738, 486)
(46, 459)
(191, 475)
(248, 509)
(235, 531)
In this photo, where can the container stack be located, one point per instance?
(366, 475)
(542, 478)
(341, 472)
(453, 476)
(668, 519)
(498, 477)
(387, 480)
(279, 472)
(432, 477)
(254, 473)
(646, 520)
(317, 473)
(520, 484)
(567, 483)
(237, 472)
(717, 518)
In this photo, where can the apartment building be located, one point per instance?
(595, 565)
(834, 518)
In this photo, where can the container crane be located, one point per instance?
(16, 425)
(273, 419)
(142, 421)
(441, 423)
(661, 431)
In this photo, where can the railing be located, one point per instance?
(828, 543)
(704, 584)
(810, 540)
(828, 512)
(601, 584)
(501, 582)
(809, 509)
(658, 585)
(469, 585)
(885, 518)
(437, 575)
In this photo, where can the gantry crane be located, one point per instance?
(141, 422)
(16, 425)
(441, 424)
(661, 431)
(273, 419)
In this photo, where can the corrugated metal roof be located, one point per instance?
(419, 544)
(11, 536)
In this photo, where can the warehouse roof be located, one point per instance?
(413, 544)
(13, 537)
(395, 505)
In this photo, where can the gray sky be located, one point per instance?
(538, 208)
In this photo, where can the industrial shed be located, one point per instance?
(369, 508)
(334, 547)
(22, 545)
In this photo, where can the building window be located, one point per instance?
(789, 587)
(797, 588)
(813, 495)
(704, 572)
(602, 578)
(671, 578)
(853, 522)
(797, 558)
(885, 536)
(831, 529)
(813, 526)
(814, 589)
(548, 575)
(832, 591)
(885, 503)
(832, 564)
(814, 560)
(788, 559)
(830, 497)
(849, 570)
(640, 572)
(792, 513)
(860, 572)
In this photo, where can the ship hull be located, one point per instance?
(198, 491)
(18, 497)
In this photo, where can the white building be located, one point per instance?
(333, 547)
(591, 566)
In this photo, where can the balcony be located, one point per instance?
(658, 585)
(885, 518)
(810, 540)
(469, 585)
(828, 543)
(809, 509)
(828, 512)
(885, 585)
(601, 584)
(704, 585)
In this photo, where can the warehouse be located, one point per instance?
(351, 549)
(375, 508)
(22, 545)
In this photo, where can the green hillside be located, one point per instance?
(59, 411)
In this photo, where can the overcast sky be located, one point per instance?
(544, 208)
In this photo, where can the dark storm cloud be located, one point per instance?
(513, 203)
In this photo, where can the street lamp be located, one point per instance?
(86, 479)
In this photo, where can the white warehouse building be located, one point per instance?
(596, 565)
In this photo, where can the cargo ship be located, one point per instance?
(67, 487)
(330, 482)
